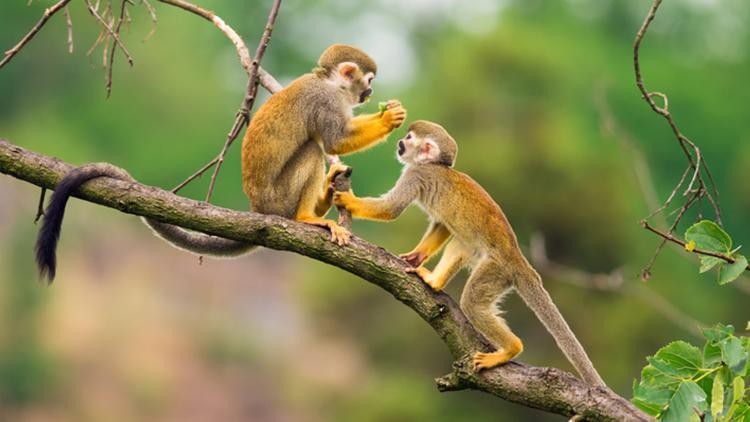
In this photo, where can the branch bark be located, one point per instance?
(547, 389)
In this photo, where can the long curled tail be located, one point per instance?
(49, 234)
(532, 292)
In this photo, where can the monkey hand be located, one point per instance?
(394, 115)
(345, 199)
(414, 258)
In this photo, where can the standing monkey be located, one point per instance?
(283, 155)
(480, 237)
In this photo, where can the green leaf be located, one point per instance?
(718, 332)
(733, 353)
(679, 358)
(709, 236)
(708, 262)
(711, 355)
(688, 398)
(730, 272)
(738, 389)
(717, 398)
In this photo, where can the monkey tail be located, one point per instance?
(532, 291)
(49, 234)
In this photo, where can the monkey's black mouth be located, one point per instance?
(401, 148)
(364, 95)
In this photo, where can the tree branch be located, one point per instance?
(547, 389)
(8, 56)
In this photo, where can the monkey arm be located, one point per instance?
(366, 130)
(433, 239)
(386, 207)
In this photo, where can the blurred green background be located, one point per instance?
(531, 90)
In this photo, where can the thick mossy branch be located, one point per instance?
(548, 389)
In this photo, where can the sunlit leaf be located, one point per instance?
(717, 398)
(709, 236)
(688, 398)
(730, 272)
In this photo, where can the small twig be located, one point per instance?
(342, 183)
(108, 85)
(154, 20)
(243, 116)
(671, 238)
(69, 23)
(40, 207)
(48, 13)
(110, 31)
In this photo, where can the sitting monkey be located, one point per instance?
(481, 239)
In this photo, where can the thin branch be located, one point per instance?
(547, 389)
(69, 23)
(48, 13)
(243, 116)
(111, 66)
(40, 206)
(670, 238)
(110, 31)
(696, 189)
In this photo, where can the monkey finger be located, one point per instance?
(393, 104)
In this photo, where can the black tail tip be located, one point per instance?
(45, 262)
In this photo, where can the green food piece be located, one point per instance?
(382, 106)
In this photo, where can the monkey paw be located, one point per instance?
(488, 360)
(426, 276)
(335, 169)
(343, 199)
(339, 235)
(415, 259)
(394, 114)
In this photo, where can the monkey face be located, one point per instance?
(414, 149)
(351, 78)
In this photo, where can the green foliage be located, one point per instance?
(681, 383)
(709, 236)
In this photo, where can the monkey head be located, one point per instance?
(349, 68)
(427, 143)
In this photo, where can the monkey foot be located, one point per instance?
(339, 235)
(426, 276)
(415, 259)
(489, 360)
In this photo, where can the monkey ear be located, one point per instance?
(428, 152)
(347, 70)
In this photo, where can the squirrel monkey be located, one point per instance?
(480, 237)
(283, 155)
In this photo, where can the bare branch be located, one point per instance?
(111, 32)
(69, 23)
(548, 389)
(48, 13)
(123, 10)
(243, 116)
(670, 238)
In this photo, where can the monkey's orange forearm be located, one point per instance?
(370, 209)
(364, 131)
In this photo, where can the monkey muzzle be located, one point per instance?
(401, 148)
(365, 95)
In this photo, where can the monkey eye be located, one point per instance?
(369, 80)
(408, 136)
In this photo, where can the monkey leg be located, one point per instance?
(454, 257)
(309, 203)
(483, 291)
(431, 242)
(326, 197)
